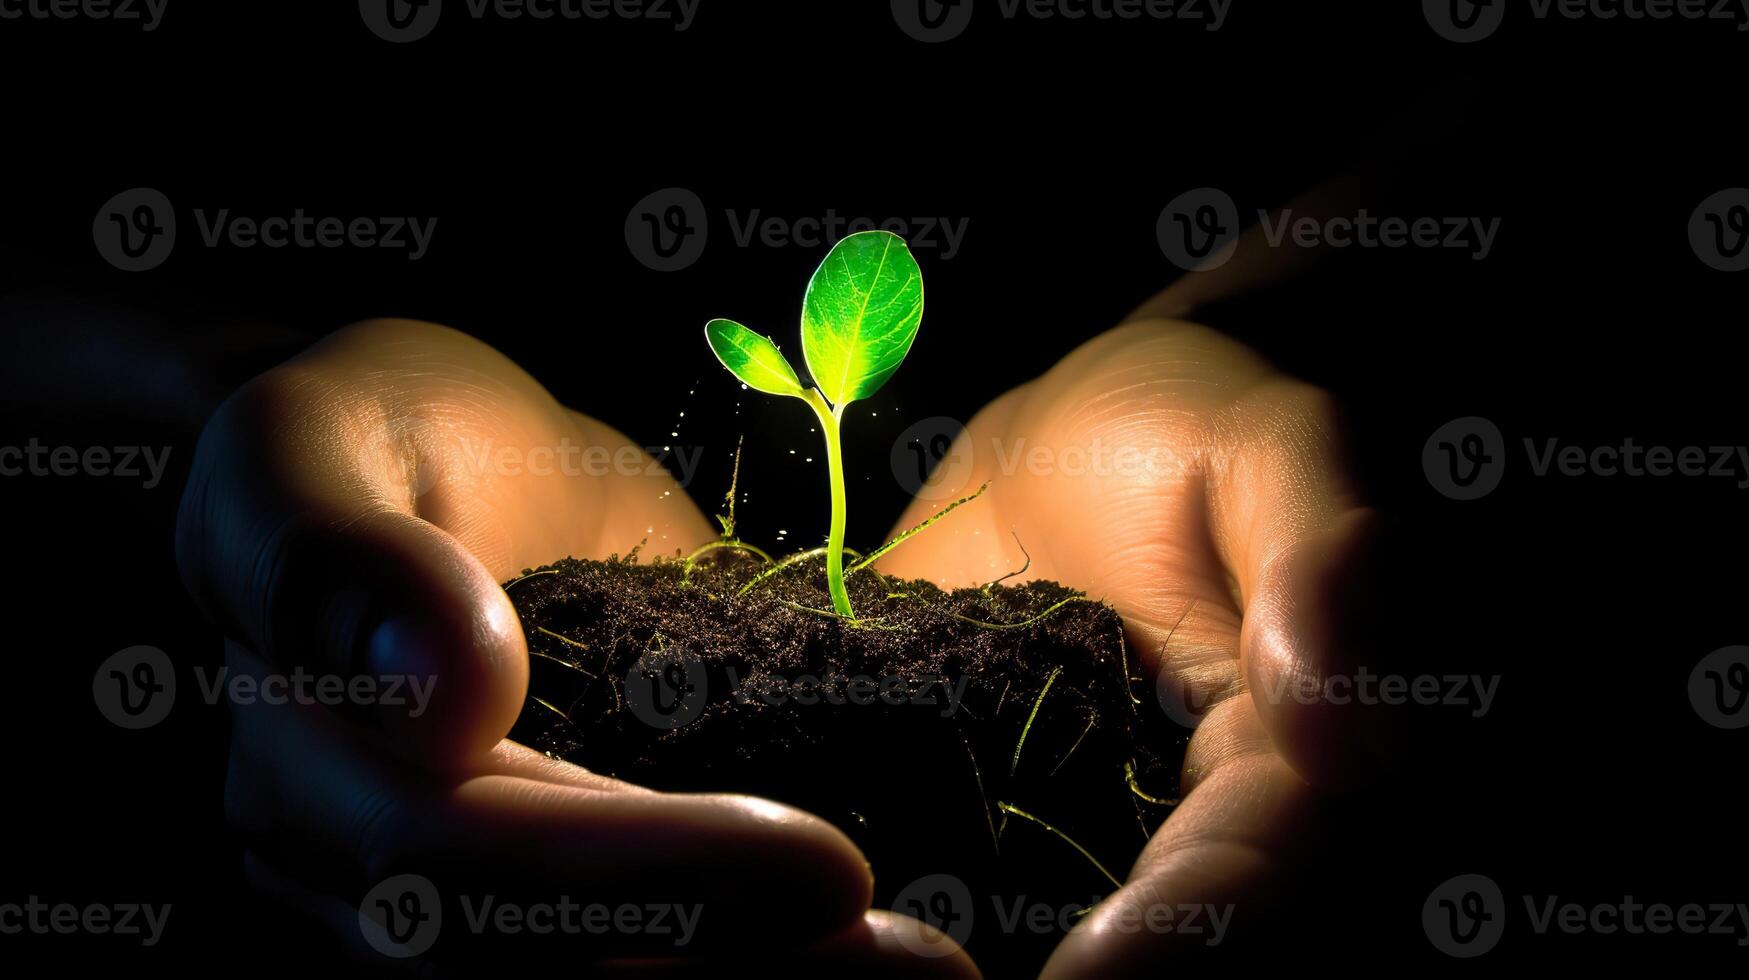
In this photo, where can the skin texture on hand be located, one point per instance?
(352, 512)
(1167, 470)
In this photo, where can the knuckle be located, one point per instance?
(375, 832)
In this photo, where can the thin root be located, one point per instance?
(1019, 571)
(1017, 811)
(1015, 626)
(1027, 728)
(906, 535)
(1129, 775)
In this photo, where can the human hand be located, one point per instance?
(1167, 470)
(352, 513)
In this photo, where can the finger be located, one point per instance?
(298, 534)
(308, 791)
(882, 944)
(1208, 877)
(1287, 528)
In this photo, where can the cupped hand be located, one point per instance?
(351, 514)
(1168, 470)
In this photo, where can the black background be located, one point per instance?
(1059, 143)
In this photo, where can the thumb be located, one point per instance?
(291, 537)
(1304, 556)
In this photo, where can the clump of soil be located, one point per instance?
(914, 728)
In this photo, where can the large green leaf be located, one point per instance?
(752, 358)
(861, 313)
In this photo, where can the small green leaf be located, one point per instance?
(752, 358)
(861, 314)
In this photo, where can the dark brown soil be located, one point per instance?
(902, 728)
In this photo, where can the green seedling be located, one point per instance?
(861, 313)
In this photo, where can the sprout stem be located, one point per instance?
(829, 419)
